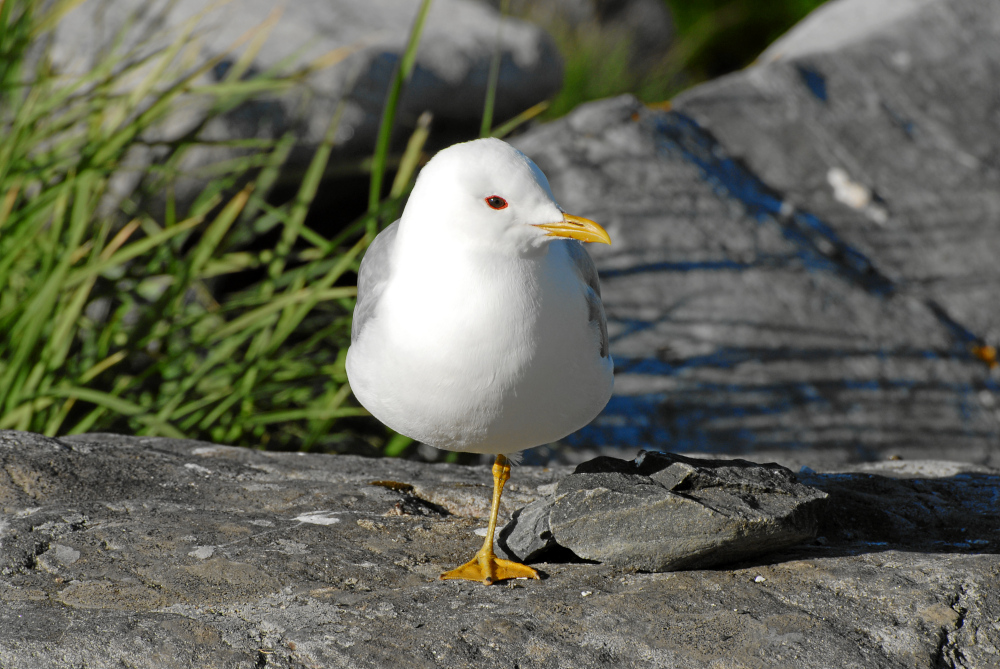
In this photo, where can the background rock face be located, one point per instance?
(118, 551)
(645, 25)
(663, 512)
(890, 133)
(449, 80)
(804, 252)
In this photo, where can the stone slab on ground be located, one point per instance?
(143, 552)
(664, 512)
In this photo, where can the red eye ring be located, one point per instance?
(496, 202)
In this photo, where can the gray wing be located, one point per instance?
(587, 271)
(372, 277)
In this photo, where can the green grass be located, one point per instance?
(113, 322)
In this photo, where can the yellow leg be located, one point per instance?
(486, 566)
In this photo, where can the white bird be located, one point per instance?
(479, 325)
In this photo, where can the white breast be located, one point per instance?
(487, 354)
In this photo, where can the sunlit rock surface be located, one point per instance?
(805, 252)
(137, 552)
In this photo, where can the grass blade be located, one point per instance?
(402, 74)
(305, 414)
(307, 191)
(519, 120)
(494, 76)
(411, 157)
(255, 319)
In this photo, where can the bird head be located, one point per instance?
(486, 192)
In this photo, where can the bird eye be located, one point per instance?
(496, 202)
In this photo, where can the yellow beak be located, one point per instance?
(575, 227)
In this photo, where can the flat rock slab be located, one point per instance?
(663, 512)
(140, 552)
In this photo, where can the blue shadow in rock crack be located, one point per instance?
(735, 418)
(819, 247)
(814, 81)
(701, 418)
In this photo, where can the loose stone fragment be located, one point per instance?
(663, 512)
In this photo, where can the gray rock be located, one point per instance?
(886, 130)
(192, 555)
(528, 535)
(449, 79)
(944, 512)
(663, 512)
(840, 23)
(804, 252)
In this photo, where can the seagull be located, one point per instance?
(479, 325)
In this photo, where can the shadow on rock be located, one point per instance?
(954, 514)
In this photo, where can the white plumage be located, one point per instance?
(480, 328)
